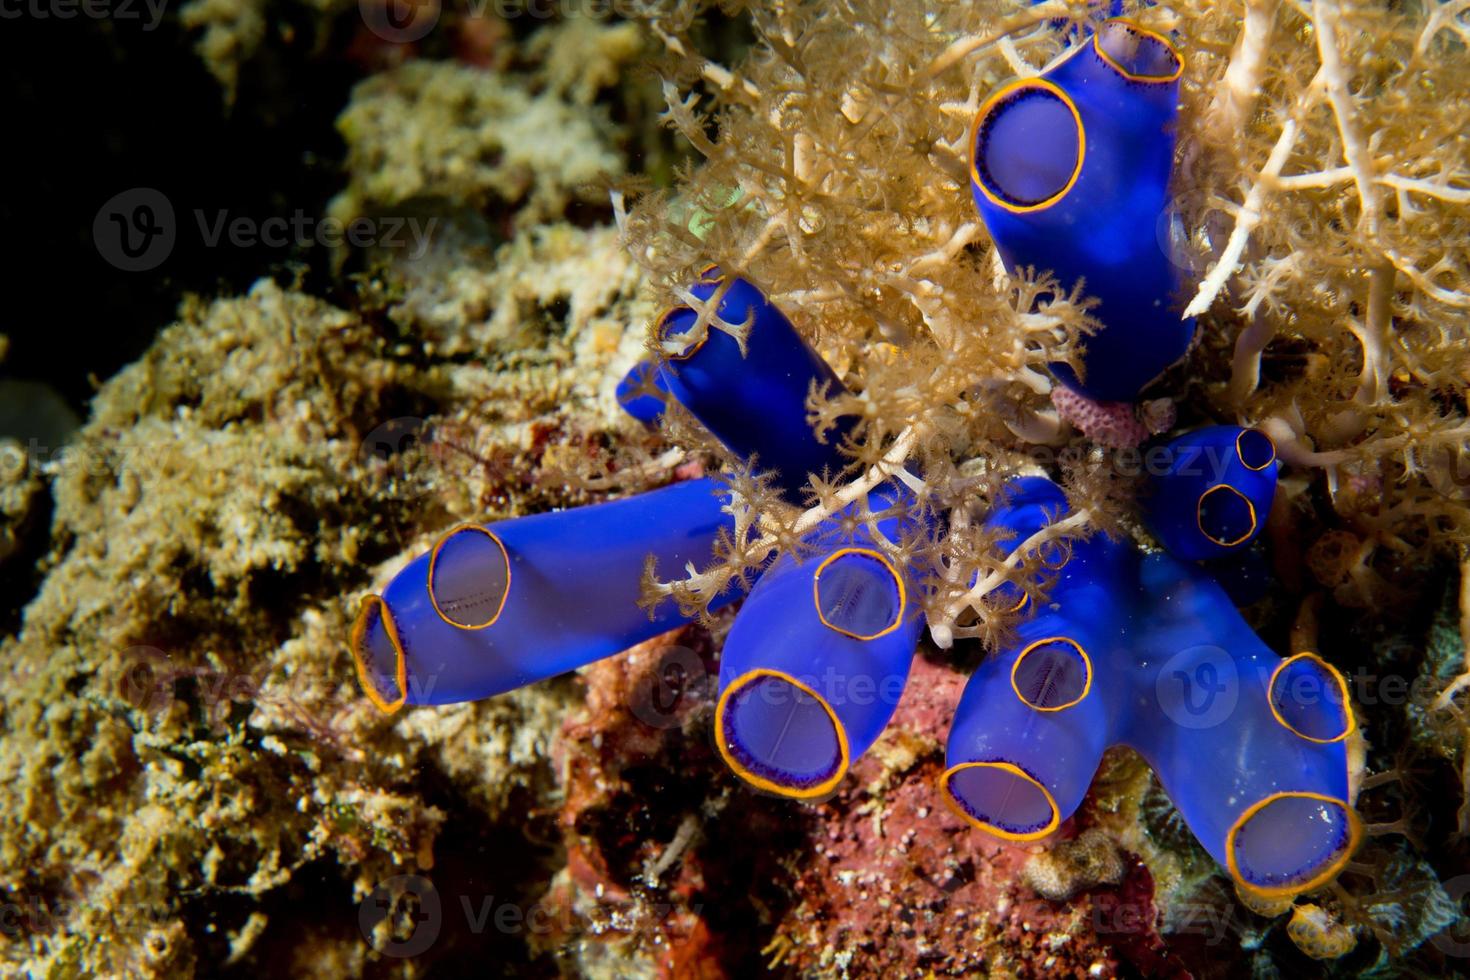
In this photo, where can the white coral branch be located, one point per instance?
(1235, 98)
(1325, 18)
(941, 628)
(1250, 212)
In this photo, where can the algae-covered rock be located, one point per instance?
(206, 503)
(451, 135)
(181, 724)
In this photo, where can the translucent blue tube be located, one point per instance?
(1250, 747)
(814, 666)
(1213, 493)
(1034, 721)
(1070, 172)
(755, 402)
(1150, 652)
(495, 607)
(643, 393)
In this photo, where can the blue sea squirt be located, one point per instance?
(1149, 652)
(1070, 172)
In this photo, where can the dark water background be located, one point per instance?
(93, 108)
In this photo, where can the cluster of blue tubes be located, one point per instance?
(816, 662)
(1150, 652)
(1070, 172)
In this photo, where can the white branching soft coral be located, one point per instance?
(1340, 193)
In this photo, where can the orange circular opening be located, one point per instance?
(1027, 144)
(469, 577)
(1290, 843)
(1000, 798)
(859, 594)
(1052, 674)
(1226, 516)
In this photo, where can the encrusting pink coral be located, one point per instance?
(1116, 425)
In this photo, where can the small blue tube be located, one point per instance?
(814, 666)
(495, 607)
(1034, 720)
(1070, 172)
(1150, 652)
(1213, 493)
(643, 392)
(754, 403)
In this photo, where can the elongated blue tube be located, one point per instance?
(1211, 497)
(814, 666)
(754, 403)
(1150, 652)
(494, 607)
(1070, 172)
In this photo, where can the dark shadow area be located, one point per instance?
(95, 108)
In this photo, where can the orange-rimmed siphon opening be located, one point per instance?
(1255, 449)
(1052, 674)
(811, 765)
(1225, 515)
(857, 602)
(1018, 791)
(479, 578)
(1304, 811)
(1056, 179)
(1136, 53)
(661, 331)
(374, 604)
(1289, 709)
